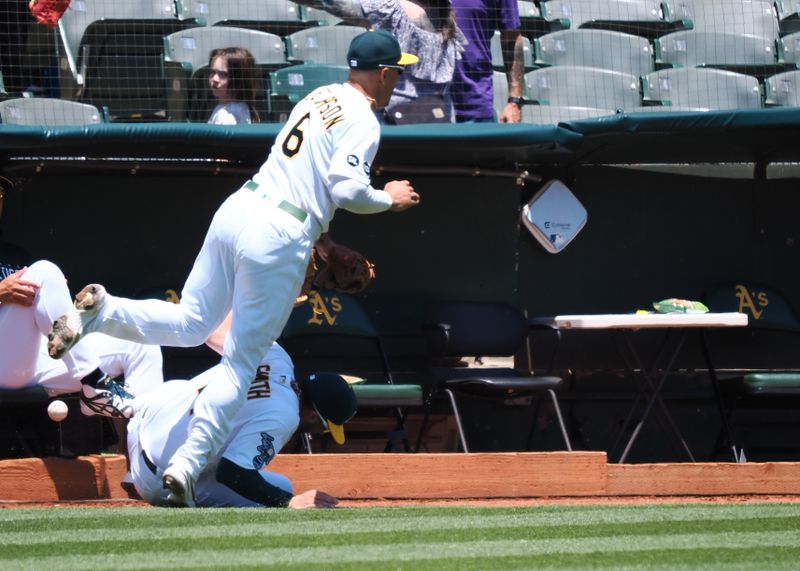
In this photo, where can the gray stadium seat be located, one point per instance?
(691, 48)
(580, 12)
(318, 17)
(603, 49)
(43, 111)
(290, 84)
(789, 48)
(783, 89)
(752, 55)
(192, 47)
(702, 88)
(500, 91)
(497, 52)
(582, 87)
(554, 114)
(80, 15)
(212, 12)
(322, 44)
(754, 17)
(527, 9)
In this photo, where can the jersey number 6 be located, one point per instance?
(294, 140)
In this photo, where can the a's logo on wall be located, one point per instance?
(323, 310)
(748, 303)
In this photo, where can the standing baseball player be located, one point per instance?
(274, 408)
(257, 248)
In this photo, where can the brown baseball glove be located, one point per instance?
(347, 271)
(48, 12)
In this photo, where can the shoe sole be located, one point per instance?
(66, 330)
(177, 493)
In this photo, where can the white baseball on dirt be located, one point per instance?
(57, 410)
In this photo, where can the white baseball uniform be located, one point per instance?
(23, 345)
(260, 429)
(254, 257)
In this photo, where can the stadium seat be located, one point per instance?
(639, 17)
(789, 48)
(500, 91)
(554, 114)
(788, 16)
(281, 17)
(702, 88)
(582, 87)
(603, 49)
(317, 17)
(290, 84)
(783, 89)
(80, 15)
(321, 45)
(117, 62)
(752, 55)
(497, 53)
(752, 17)
(49, 112)
(485, 329)
(332, 332)
(186, 55)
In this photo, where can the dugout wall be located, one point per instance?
(675, 206)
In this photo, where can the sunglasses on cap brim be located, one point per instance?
(400, 69)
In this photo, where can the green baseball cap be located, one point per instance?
(334, 400)
(375, 49)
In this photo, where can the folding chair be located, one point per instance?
(771, 317)
(485, 329)
(332, 332)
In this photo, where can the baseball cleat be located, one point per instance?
(181, 488)
(107, 398)
(70, 327)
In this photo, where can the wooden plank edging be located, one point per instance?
(431, 476)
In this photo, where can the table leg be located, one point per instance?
(712, 375)
(656, 397)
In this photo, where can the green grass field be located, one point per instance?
(722, 536)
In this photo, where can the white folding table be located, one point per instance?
(680, 322)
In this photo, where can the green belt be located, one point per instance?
(284, 205)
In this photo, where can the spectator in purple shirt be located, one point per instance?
(472, 81)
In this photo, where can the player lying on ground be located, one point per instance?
(275, 406)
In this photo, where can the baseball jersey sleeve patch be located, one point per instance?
(367, 167)
(266, 452)
(352, 160)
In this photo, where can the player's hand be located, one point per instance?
(313, 499)
(16, 290)
(511, 114)
(403, 195)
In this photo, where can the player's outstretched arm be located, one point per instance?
(250, 484)
(403, 195)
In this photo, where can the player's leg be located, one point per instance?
(269, 274)
(206, 299)
(23, 329)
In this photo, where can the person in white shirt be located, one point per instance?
(234, 81)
